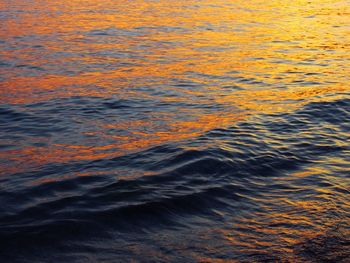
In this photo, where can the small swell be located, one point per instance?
(219, 173)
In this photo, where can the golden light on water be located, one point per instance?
(268, 48)
(184, 68)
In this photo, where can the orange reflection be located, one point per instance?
(241, 56)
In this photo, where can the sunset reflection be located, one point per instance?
(237, 87)
(251, 63)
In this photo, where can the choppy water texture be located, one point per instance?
(174, 131)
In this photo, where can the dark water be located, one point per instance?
(187, 131)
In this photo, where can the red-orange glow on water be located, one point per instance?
(84, 84)
(262, 51)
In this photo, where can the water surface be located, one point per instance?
(174, 131)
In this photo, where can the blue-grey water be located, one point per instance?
(174, 131)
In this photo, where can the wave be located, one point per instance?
(222, 170)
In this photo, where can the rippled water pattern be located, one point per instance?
(174, 131)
